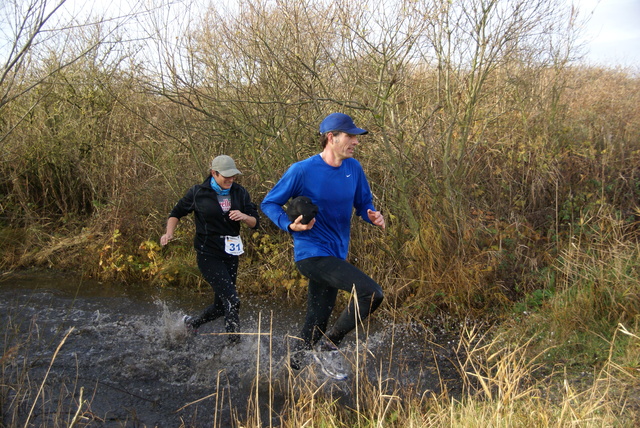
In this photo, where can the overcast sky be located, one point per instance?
(613, 32)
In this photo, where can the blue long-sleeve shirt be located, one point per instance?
(335, 190)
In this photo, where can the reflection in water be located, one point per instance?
(131, 359)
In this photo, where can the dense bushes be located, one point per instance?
(486, 156)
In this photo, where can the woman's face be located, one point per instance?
(224, 182)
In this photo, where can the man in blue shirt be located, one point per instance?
(336, 183)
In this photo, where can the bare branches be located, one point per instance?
(29, 22)
(39, 38)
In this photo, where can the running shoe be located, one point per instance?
(331, 363)
(328, 358)
(188, 324)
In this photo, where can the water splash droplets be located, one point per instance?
(171, 325)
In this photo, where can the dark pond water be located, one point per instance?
(120, 354)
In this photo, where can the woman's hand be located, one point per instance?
(164, 239)
(237, 215)
(172, 222)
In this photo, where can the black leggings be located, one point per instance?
(221, 274)
(326, 276)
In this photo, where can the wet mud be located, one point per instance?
(111, 355)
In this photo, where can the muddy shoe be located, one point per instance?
(188, 324)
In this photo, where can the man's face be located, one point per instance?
(344, 145)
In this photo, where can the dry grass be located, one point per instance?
(25, 400)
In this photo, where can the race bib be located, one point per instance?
(233, 245)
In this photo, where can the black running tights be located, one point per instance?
(221, 274)
(326, 276)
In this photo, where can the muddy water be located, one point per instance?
(115, 355)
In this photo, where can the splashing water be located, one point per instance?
(131, 353)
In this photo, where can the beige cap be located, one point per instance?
(225, 166)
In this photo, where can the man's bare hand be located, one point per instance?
(297, 225)
(376, 218)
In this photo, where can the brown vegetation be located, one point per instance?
(503, 167)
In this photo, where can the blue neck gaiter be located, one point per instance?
(215, 186)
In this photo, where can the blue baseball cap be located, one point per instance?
(340, 122)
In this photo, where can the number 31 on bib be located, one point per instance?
(233, 245)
